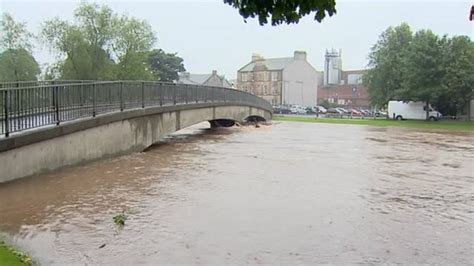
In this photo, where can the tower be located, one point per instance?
(332, 67)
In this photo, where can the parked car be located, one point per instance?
(344, 111)
(365, 112)
(284, 110)
(380, 113)
(355, 112)
(320, 109)
(297, 109)
(276, 109)
(311, 110)
(335, 111)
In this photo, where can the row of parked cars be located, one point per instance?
(302, 110)
(356, 112)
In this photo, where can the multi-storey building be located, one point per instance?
(286, 80)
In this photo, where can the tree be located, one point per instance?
(283, 11)
(422, 70)
(458, 80)
(421, 67)
(14, 34)
(165, 66)
(84, 45)
(134, 38)
(385, 77)
(100, 45)
(18, 65)
(16, 61)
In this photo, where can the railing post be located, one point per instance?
(196, 94)
(186, 90)
(143, 94)
(81, 95)
(121, 96)
(5, 104)
(174, 95)
(56, 102)
(94, 93)
(160, 89)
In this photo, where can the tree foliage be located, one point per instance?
(283, 11)
(165, 66)
(16, 61)
(384, 77)
(421, 67)
(14, 35)
(97, 45)
(100, 45)
(423, 70)
(18, 65)
(459, 74)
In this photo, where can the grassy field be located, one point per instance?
(443, 124)
(10, 257)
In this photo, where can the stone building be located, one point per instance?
(212, 79)
(286, 80)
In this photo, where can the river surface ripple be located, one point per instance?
(289, 193)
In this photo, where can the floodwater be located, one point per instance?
(289, 193)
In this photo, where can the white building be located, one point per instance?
(332, 68)
(285, 80)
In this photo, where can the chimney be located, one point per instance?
(300, 55)
(256, 57)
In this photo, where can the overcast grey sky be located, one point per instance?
(212, 35)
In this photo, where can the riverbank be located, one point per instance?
(443, 124)
(11, 257)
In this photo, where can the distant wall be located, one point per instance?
(300, 84)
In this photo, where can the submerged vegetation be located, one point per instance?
(120, 219)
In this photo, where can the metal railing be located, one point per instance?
(35, 104)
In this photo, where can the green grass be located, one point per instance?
(10, 257)
(443, 124)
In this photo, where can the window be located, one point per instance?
(274, 76)
(244, 77)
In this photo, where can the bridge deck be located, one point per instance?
(42, 104)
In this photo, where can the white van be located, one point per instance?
(410, 110)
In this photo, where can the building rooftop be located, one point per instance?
(197, 79)
(270, 64)
(200, 79)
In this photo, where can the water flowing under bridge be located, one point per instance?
(48, 125)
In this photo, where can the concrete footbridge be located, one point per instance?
(48, 125)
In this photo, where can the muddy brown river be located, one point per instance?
(285, 194)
